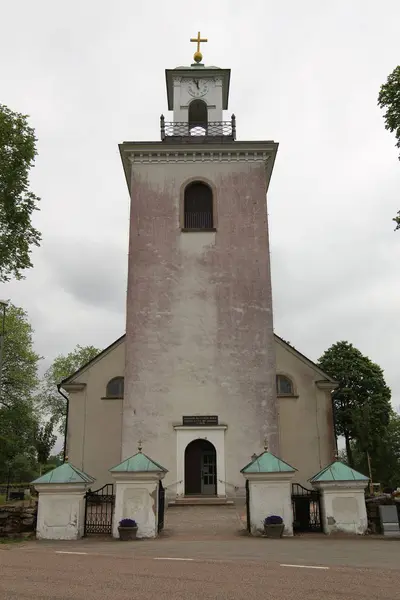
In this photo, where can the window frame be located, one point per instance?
(119, 396)
(183, 188)
(285, 394)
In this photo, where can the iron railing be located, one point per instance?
(187, 131)
(198, 220)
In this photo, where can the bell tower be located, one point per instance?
(199, 331)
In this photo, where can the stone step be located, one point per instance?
(200, 501)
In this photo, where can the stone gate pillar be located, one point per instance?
(269, 491)
(137, 483)
(61, 506)
(342, 498)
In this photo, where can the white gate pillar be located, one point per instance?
(137, 483)
(342, 498)
(269, 491)
(61, 507)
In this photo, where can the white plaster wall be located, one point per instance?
(185, 435)
(270, 498)
(344, 510)
(60, 516)
(137, 500)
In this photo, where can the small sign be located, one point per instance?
(199, 421)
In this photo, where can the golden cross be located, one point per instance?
(198, 40)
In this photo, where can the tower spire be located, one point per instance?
(197, 56)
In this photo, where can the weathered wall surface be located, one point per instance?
(199, 313)
(94, 423)
(305, 421)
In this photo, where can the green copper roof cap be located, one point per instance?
(65, 473)
(338, 471)
(268, 463)
(138, 463)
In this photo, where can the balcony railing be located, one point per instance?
(197, 132)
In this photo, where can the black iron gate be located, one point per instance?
(306, 509)
(248, 506)
(161, 506)
(99, 509)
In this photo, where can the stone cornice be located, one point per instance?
(139, 153)
(191, 156)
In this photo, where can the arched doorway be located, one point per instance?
(200, 469)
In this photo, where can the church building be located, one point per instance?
(199, 378)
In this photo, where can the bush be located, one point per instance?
(127, 523)
(273, 520)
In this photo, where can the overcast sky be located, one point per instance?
(306, 74)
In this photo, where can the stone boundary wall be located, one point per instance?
(18, 520)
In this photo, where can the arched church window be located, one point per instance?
(115, 388)
(198, 117)
(284, 386)
(198, 207)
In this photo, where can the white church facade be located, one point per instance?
(199, 378)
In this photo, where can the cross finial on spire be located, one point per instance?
(197, 56)
(140, 445)
(265, 444)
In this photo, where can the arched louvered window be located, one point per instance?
(284, 386)
(198, 207)
(115, 388)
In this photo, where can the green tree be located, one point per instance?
(17, 203)
(44, 440)
(361, 401)
(51, 401)
(389, 100)
(18, 383)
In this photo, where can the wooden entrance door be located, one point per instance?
(200, 468)
(208, 472)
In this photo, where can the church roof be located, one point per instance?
(338, 471)
(138, 463)
(121, 339)
(65, 473)
(268, 463)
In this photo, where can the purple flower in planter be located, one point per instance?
(273, 520)
(127, 523)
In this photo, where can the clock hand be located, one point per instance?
(197, 83)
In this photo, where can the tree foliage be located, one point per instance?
(386, 461)
(389, 100)
(361, 401)
(44, 440)
(19, 380)
(51, 400)
(17, 203)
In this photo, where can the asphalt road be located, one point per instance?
(104, 571)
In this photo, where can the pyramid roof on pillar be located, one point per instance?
(138, 463)
(268, 463)
(65, 473)
(338, 471)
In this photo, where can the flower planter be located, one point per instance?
(126, 534)
(274, 531)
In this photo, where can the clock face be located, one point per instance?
(198, 88)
